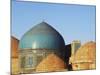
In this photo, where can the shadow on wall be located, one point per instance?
(67, 55)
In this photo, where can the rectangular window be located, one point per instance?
(29, 61)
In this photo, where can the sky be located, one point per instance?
(73, 22)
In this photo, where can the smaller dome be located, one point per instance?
(47, 65)
(87, 52)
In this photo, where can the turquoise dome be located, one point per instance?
(42, 36)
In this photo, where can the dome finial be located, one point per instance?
(44, 20)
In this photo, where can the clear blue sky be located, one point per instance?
(74, 22)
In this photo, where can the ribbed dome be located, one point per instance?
(42, 36)
(87, 52)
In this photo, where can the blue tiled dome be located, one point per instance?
(42, 36)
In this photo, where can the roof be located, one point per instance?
(42, 36)
(86, 53)
(48, 65)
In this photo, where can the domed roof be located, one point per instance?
(46, 65)
(87, 52)
(42, 36)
